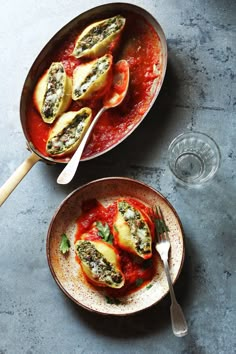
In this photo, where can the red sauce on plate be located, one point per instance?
(140, 46)
(137, 272)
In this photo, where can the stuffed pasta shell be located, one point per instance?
(92, 78)
(131, 230)
(52, 95)
(68, 132)
(100, 263)
(96, 38)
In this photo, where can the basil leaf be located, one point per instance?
(112, 300)
(65, 244)
(104, 232)
(139, 282)
(115, 228)
(148, 286)
(147, 263)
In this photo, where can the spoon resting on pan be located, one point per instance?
(114, 98)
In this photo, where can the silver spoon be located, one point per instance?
(116, 96)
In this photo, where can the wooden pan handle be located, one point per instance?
(17, 176)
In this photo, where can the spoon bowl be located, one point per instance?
(120, 85)
(113, 98)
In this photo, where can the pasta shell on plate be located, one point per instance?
(92, 78)
(100, 263)
(68, 132)
(131, 230)
(96, 38)
(52, 95)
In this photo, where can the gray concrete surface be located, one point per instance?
(198, 94)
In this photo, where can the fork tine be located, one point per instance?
(155, 214)
(165, 233)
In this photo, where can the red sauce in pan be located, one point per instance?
(137, 272)
(140, 46)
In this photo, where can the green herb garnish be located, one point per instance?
(139, 282)
(148, 286)
(104, 232)
(113, 300)
(65, 244)
(115, 228)
(147, 263)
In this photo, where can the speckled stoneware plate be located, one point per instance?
(66, 270)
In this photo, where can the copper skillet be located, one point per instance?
(42, 62)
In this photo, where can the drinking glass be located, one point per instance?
(193, 158)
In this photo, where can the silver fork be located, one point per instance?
(179, 324)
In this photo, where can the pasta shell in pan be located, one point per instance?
(131, 230)
(92, 78)
(100, 263)
(68, 132)
(96, 38)
(52, 95)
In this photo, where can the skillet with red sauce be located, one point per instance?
(142, 44)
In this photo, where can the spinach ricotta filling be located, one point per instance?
(99, 33)
(98, 69)
(54, 90)
(101, 269)
(139, 229)
(69, 135)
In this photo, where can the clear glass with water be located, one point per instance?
(194, 158)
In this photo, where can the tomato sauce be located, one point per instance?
(140, 46)
(137, 272)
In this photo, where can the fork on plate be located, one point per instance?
(179, 324)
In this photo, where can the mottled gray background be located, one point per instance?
(198, 94)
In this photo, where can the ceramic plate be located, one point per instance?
(66, 270)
